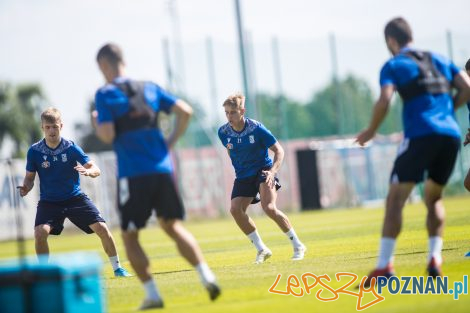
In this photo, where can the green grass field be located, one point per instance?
(338, 241)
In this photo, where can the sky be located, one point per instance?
(54, 43)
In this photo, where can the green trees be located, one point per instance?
(20, 109)
(340, 108)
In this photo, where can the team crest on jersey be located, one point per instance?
(46, 163)
(64, 157)
(252, 139)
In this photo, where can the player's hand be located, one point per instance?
(467, 138)
(364, 136)
(23, 190)
(270, 180)
(81, 170)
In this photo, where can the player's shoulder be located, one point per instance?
(225, 129)
(38, 146)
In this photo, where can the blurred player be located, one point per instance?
(247, 142)
(467, 139)
(431, 137)
(127, 116)
(58, 163)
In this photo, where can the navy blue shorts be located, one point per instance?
(432, 155)
(139, 196)
(80, 210)
(249, 186)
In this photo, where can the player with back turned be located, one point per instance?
(431, 137)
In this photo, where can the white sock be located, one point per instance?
(294, 240)
(151, 290)
(205, 273)
(115, 262)
(435, 249)
(256, 240)
(387, 248)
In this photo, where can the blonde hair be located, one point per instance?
(51, 115)
(236, 100)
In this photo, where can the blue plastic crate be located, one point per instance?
(68, 283)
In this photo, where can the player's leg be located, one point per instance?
(408, 169)
(170, 212)
(41, 232)
(435, 225)
(135, 208)
(243, 193)
(49, 221)
(439, 172)
(109, 246)
(190, 250)
(141, 265)
(82, 212)
(268, 203)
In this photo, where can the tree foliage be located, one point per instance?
(20, 109)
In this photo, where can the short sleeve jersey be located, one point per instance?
(425, 114)
(142, 151)
(58, 179)
(248, 149)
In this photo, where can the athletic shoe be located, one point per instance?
(468, 254)
(299, 253)
(120, 272)
(263, 255)
(151, 304)
(387, 272)
(434, 269)
(213, 289)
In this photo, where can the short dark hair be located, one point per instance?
(400, 30)
(467, 65)
(112, 53)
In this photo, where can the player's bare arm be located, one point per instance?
(380, 111)
(28, 183)
(462, 83)
(89, 169)
(183, 112)
(277, 161)
(104, 131)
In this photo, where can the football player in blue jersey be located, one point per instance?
(247, 142)
(127, 116)
(58, 163)
(431, 137)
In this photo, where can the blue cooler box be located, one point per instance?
(68, 283)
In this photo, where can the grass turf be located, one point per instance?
(337, 241)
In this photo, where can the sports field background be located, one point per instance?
(338, 241)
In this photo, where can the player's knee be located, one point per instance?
(40, 233)
(101, 229)
(169, 227)
(235, 211)
(270, 209)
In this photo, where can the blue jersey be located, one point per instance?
(58, 179)
(425, 114)
(248, 149)
(141, 151)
